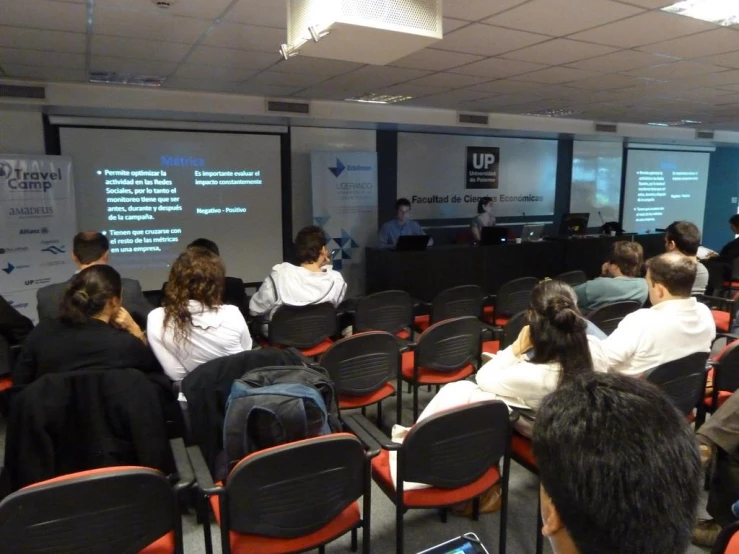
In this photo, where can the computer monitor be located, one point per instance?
(412, 242)
(493, 235)
(574, 224)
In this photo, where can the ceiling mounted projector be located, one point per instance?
(365, 31)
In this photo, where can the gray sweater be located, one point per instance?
(606, 290)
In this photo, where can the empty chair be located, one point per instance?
(682, 380)
(308, 328)
(572, 278)
(390, 311)
(463, 300)
(722, 310)
(728, 541)
(508, 335)
(512, 297)
(607, 317)
(724, 376)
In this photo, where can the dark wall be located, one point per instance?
(723, 185)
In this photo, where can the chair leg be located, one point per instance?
(443, 514)
(476, 508)
(354, 539)
(322, 549)
(202, 510)
(438, 388)
(379, 414)
(398, 530)
(399, 406)
(415, 403)
(364, 411)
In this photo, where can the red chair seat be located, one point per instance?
(422, 322)
(349, 402)
(405, 335)
(723, 396)
(722, 320)
(165, 545)
(487, 313)
(5, 383)
(491, 346)
(433, 496)
(246, 543)
(318, 349)
(733, 546)
(431, 377)
(521, 449)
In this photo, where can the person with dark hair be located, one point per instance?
(93, 331)
(314, 281)
(402, 225)
(730, 251)
(674, 327)
(484, 217)
(91, 248)
(193, 326)
(618, 467)
(620, 279)
(685, 237)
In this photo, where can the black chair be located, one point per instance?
(463, 300)
(365, 369)
(106, 511)
(725, 376)
(512, 329)
(682, 380)
(390, 311)
(512, 297)
(310, 328)
(467, 443)
(447, 351)
(607, 317)
(572, 278)
(290, 498)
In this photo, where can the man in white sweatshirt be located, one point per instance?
(312, 282)
(674, 327)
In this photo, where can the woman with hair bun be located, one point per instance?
(93, 331)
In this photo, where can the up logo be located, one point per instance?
(483, 161)
(482, 167)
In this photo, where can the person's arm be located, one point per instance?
(136, 302)
(385, 238)
(172, 366)
(517, 380)
(339, 290)
(620, 346)
(581, 291)
(264, 299)
(124, 321)
(475, 229)
(240, 325)
(13, 324)
(24, 371)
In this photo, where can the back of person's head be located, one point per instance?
(558, 331)
(205, 243)
(402, 202)
(89, 247)
(685, 235)
(673, 271)
(482, 202)
(620, 465)
(734, 220)
(628, 257)
(308, 244)
(197, 274)
(88, 293)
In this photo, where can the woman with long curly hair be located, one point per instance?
(193, 326)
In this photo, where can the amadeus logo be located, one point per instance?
(31, 211)
(14, 250)
(55, 250)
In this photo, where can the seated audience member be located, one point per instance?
(484, 217)
(93, 331)
(91, 248)
(312, 282)
(620, 279)
(674, 327)
(402, 225)
(14, 326)
(193, 325)
(730, 251)
(684, 237)
(618, 467)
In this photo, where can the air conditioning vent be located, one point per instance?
(288, 107)
(22, 91)
(606, 128)
(706, 135)
(473, 118)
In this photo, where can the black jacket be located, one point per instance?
(207, 388)
(71, 422)
(14, 326)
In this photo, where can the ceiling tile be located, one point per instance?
(435, 60)
(556, 75)
(50, 73)
(709, 43)
(605, 82)
(209, 9)
(256, 89)
(328, 92)
(190, 71)
(449, 24)
(644, 29)
(623, 60)
(300, 80)
(487, 40)
(562, 17)
(507, 87)
(498, 68)
(230, 57)
(246, 37)
(213, 85)
(409, 89)
(138, 49)
(730, 59)
(124, 65)
(41, 14)
(370, 78)
(450, 99)
(140, 24)
(319, 66)
(474, 10)
(650, 4)
(259, 12)
(15, 56)
(559, 51)
(448, 80)
(675, 70)
(36, 39)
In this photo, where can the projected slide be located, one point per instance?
(662, 187)
(596, 180)
(152, 192)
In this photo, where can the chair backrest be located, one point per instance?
(457, 301)
(682, 380)
(727, 541)
(390, 310)
(607, 317)
(514, 296)
(465, 443)
(361, 364)
(449, 345)
(726, 376)
(295, 489)
(572, 278)
(303, 326)
(512, 329)
(106, 511)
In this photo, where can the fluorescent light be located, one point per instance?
(674, 123)
(720, 12)
(111, 77)
(378, 98)
(564, 112)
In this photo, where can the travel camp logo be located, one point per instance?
(18, 180)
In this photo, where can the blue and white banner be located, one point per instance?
(345, 206)
(37, 224)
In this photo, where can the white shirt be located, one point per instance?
(214, 334)
(650, 337)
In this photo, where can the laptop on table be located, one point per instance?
(532, 231)
(411, 242)
(493, 235)
(574, 224)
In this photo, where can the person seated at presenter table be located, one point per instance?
(402, 225)
(620, 279)
(484, 217)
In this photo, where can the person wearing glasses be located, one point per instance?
(402, 225)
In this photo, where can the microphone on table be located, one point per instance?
(524, 217)
(603, 221)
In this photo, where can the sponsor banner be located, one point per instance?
(345, 206)
(482, 167)
(37, 223)
(24, 301)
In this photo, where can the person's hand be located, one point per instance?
(123, 320)
(604, 269)
(523, 341)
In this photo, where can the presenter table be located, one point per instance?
(426, 273)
